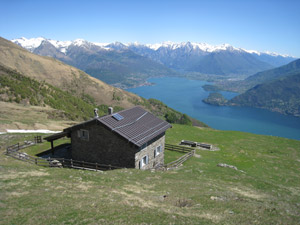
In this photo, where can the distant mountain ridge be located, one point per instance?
(118, 65)
(281, 95)
(63, 76)
(291, 68)
(126, 65)
(63, 91)
(276, 90)
(33, 43)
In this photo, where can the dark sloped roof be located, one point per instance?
(56, 136)
(138, 126)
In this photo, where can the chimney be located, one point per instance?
(96, 113)
(110, 110)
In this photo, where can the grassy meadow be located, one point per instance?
(264, 190)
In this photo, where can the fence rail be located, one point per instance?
(17, 147)
(179, 161)
(13, 151)
(178, 148)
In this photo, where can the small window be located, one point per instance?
(83, 134)
(157, 151)
(144, 161)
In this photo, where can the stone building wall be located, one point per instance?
(148, 150)
(103, 146)
(106, 147)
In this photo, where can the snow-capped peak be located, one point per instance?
(252, 51)
(193, 45)
(29, 44)
(79, 42)
(267, 53)
(33, 43)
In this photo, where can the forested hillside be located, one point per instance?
(282, 95)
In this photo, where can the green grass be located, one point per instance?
(42, 147)
(199, 192)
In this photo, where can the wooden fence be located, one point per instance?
(189, 153)
(179, 161)
(178, 148)
(18, 146)
(76, 164)
(13, 151)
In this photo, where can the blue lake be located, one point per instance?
(186, 96)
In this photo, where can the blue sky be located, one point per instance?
(264, 25)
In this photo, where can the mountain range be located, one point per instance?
(49, 91)
(127, 65)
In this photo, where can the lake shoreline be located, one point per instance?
(186, 95)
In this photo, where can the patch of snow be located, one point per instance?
(29, 44)
(60, 44)
(275, 54)
(102, 45)
(63, 50)
(79, 42)
(252, 51)
(153, 46)
(2, 132)
(32, 131)
(195, 46)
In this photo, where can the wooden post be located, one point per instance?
(96, 166)
(52, 148)
(35, 161)
(71, 163)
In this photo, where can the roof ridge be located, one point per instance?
(153, 133)
(124, 110)
(147, 131)
(130, 122)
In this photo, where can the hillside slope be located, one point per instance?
(63, 76)
(265, 76)
(264, 189)
(33, 80)
(281, 95)
(273, 74)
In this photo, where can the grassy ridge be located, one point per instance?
(199, 192)
(21, 89)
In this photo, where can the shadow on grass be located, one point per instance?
(60, 151)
